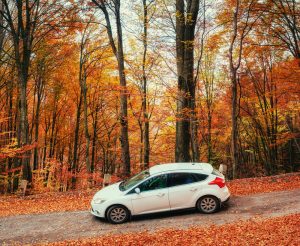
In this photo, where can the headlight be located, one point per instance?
(99, 200)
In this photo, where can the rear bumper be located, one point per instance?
(227, 199)
(224, 195)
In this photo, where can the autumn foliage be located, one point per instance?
(89, 88)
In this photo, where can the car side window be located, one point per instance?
(199, 177)
(176, 179)
(157, 182)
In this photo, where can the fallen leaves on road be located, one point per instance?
(80, 200)
(264, 184)
(44, 203)
(275, 231)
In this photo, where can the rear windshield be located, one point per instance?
(217, 173)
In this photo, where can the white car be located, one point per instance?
(161, 188)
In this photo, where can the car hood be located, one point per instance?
(109, 192)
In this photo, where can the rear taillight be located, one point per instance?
(218, 181)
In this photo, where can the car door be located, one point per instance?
(184, 188)
(153, 196)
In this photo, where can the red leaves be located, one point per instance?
(275, 231)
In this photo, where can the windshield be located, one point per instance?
(127, 184)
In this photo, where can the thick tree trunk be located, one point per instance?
(186, 17)
(23, 124)
(21, 18)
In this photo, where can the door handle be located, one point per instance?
(193, 189)
(161, 194)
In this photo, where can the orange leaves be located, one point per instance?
(265, 184)
(43, 203)
(275, 231)
(80, 200)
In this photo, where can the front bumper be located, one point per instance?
(97, 210)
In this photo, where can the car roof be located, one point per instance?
(204, 167)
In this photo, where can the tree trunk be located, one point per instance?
(233, 76)
(86, 125)
(53, 127)
(95, 123)
(146, 143)
(23, 125)
(2, 30)
(186, 17)
(40, 90)
(119, 54)
(209, 141)
(11, 128)
(123, 96)
(76, 140)
(234, 125)
(194, 132)
(21, 21)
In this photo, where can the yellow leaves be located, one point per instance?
(10, 149)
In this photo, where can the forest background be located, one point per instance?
(95, 87)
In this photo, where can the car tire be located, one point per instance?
(208, 204)
(117, 214)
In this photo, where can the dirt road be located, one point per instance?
(71, 225)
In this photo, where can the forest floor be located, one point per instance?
(261, 210)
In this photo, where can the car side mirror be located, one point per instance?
(137, 190)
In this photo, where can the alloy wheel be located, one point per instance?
(208, 205)
(118, 215)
